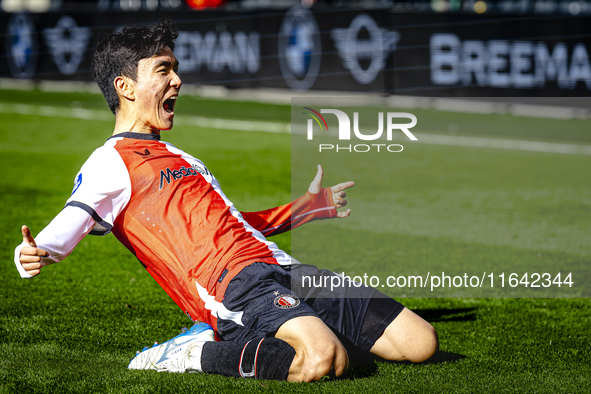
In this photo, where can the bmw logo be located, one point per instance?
(299, 48)
(21, 46)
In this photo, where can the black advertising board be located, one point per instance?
(486, 56)
(346, 50)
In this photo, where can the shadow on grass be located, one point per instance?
(447, 315)
(363, 364)
(366, 365)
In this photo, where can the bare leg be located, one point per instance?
(408, 337)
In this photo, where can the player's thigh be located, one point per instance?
(408, 337)
(257, 302)
(359, 313)
(318, 350)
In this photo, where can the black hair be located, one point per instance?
(119, 53)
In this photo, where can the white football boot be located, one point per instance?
(179, 354)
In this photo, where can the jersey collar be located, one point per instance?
(137, 136)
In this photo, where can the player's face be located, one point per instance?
(157, 89)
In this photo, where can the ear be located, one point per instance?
(125, 87)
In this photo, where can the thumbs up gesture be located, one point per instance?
(30, 257)
(338, 193)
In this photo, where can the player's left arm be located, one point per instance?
(317, 203)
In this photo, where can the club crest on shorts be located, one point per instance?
(286, 301)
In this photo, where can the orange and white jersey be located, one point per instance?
(167, 208)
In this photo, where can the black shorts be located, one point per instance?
(264, 296)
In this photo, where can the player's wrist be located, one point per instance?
(323, 199)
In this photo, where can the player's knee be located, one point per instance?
(427, 345)
(325, 360)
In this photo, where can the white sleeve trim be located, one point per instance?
(101, 227)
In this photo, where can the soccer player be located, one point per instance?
(215, 262)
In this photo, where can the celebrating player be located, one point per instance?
(215, 262)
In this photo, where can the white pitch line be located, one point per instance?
(55, 112)
(230, 124)
(275, 127)
(496, 143)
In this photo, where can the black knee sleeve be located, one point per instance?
(274, 359)
(261, 358)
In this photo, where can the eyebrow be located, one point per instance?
(166, 63)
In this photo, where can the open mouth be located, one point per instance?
(169, 104)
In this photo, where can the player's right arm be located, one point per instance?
(102, 190)
(54, 243)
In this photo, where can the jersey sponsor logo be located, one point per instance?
(169, 175)
(200, 168)
(145, 154)
(77, 183)
(286, 301)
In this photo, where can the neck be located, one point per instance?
(126, 122)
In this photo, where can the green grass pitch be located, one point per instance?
(75, 327)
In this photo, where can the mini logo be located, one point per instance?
(67, 43)
(77, 183)
(353, 49)
(299, 48)
(145, 154)
(286, 301)
(21, 46)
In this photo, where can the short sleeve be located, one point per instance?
(102, 188)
